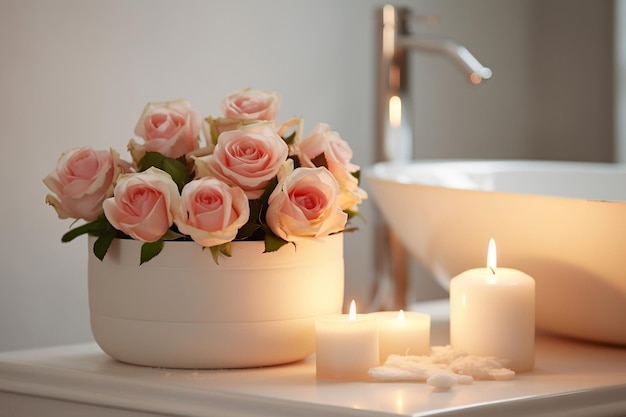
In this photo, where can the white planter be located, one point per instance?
(181, 310)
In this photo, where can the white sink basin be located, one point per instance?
(564, 223)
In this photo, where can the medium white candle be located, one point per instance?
(346, 346)
(492, 313)
(402, 333)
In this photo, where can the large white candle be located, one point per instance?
(402, 333)
(346, 346)
(492, 313)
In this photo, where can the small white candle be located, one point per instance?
(402, 333)
(492, 313)
(346, 346)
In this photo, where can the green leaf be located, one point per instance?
(178, 171)
(172, 235)
(253, 224)
(177, 168)
(150, 159)
(224, 249)
(352, 214)
(256, 206)
(94, 227)
(273, 242)
(269, 188)
(247, 229)
(149, 250)
(215, 253)
(102, 244)
(291, 138)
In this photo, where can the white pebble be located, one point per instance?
(502, 374)
(386, 373)
(442, 381)
(465, 379)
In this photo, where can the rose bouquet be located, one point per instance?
(212, 180)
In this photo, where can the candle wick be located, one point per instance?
(493, 271)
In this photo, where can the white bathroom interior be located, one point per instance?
(79, 72)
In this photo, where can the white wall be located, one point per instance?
(572, 78)
(76, 72)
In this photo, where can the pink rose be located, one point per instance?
(83, 178)
(338, 155)
(248, 157)
(324, 140)
(211, 211)
(171, 128)
(305, 204)
(249, 104)
(212, 127)
(143, 204)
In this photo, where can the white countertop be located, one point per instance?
(570, 379)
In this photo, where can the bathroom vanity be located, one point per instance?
(570, 379)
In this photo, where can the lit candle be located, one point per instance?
(346, 346)
(492, 313)
(402, 333)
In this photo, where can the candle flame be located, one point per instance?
(491, 256)
(395, 111)
(401, 315)
(352, 315)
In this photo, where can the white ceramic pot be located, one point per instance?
(181, 310)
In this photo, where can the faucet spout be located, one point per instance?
(458, 53)
(397, 40)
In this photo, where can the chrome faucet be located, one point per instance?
(396, 41)
(394, 127)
